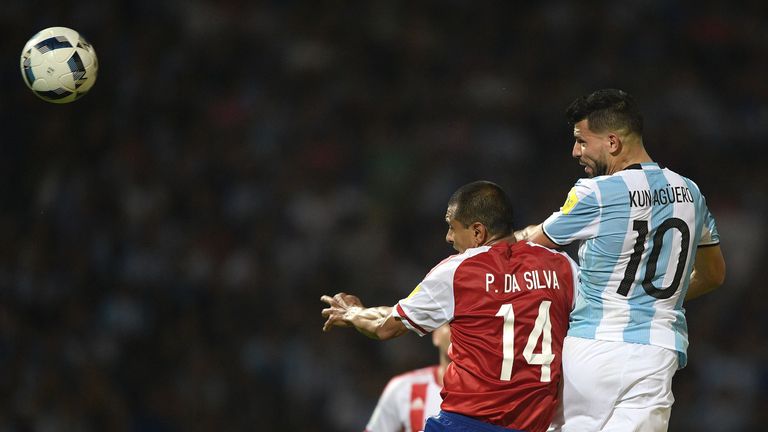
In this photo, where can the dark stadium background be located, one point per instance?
(166, 239)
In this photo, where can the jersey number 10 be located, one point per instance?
(542, 329)
(641, 226)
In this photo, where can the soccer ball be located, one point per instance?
(59, 65)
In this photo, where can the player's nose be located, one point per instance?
(576, 151)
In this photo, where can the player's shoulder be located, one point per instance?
(611, 187)
(448, 266)
(692, 184)
(615, 182)
(457, 259)
(427, 371)
(537, 249)
(454, 261)
(543, 251)
(415, 376)
(589, 183)
(591, 190)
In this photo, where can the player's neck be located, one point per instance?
(635, 156)
(493, 240)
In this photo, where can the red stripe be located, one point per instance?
(418, 391)
(401, 312)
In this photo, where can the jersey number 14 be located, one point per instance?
(542, 329)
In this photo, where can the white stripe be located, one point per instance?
(662, 333)
(615, 306)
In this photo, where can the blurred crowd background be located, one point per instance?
(166, 239)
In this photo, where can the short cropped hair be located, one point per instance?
(607, 109)
(484, 202)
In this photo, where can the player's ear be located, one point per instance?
(614, 144)
(479, 233)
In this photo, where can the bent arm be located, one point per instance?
(708, 271)
(375, 322)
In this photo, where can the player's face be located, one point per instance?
(590, 149)
(459, 236)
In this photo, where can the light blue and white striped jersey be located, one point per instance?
(640, 229)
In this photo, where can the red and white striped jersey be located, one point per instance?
(407, 401)
(508, 307)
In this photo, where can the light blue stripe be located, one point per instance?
(588, 309)
(599, 257)
(680, 326)
(641, 305)
(562, 229)
(588, 306)
(701, 210)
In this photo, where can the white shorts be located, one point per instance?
(615, 386)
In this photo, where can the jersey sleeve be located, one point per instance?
(431, 304)
(578, 218)
(385, 417)
(709, 234)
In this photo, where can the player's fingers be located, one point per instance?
(327, 312)
(352, 299)
(347, 300)
(327, 299)
(330, 323)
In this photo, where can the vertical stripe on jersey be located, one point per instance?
(418, 402)
(630, 310)
(680, 326)
(669, 326)
(643, 306)
(589, 305)
(583, 316)
(610, 241)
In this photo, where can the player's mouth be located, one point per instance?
(586, 167)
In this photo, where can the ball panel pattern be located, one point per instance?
(59, 65)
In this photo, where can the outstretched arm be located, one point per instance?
(346, 310)
(708, 272)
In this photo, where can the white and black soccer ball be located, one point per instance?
(59, 65)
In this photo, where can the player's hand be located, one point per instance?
(341, 306)
(526, 233)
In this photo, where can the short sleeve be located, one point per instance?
(431, 304)
(709, 234)
(578, 218)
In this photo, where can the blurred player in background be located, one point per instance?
(410, 398)
(507, 303)
(649, 243)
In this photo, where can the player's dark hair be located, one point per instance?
(484, 202)
(607, 109)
